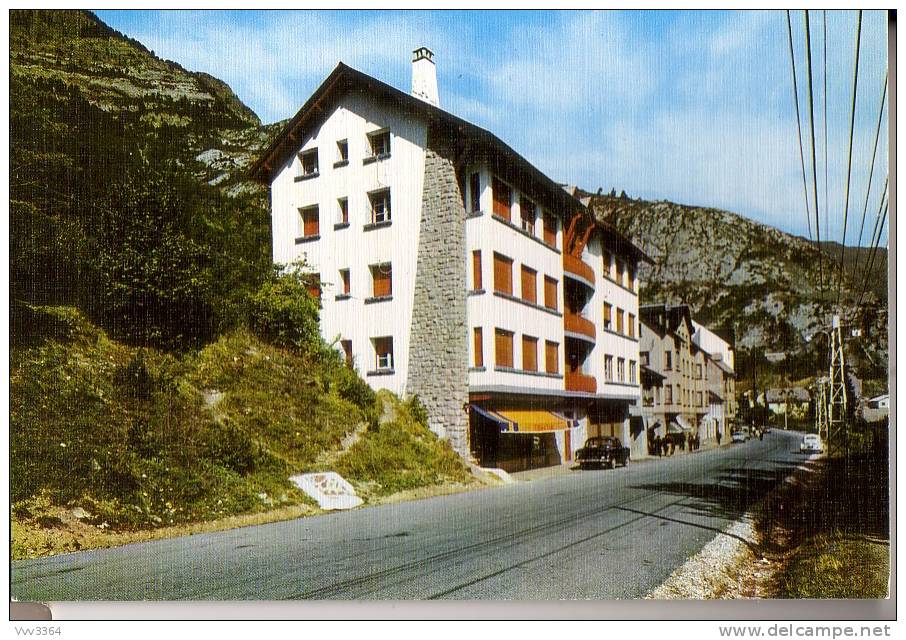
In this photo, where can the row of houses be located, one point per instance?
(454, 269)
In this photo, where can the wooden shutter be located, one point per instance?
(478, 346)
(310, 223)
(551, 357)
(550, 230)
(630, 329)
(618, 276)
(529, 284)
(476, 270)
(502, 199)
(314, 285)
(607, 318)
(550, 293)
(475, 192)
(619, 320)
(529, 353)
(383, 281)
(503, 348)
(503, 274)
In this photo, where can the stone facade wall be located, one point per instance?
(439, 351)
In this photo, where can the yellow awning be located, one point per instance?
(535, 421)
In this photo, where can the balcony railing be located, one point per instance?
(577, 267)
(581, 382)
(574, 323)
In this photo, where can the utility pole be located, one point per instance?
(836, 400)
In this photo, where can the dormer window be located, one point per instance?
(379, 142)
(309, 162)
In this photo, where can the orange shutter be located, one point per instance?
(310, 226)
(314, 285)
(502, 199)
(383, 285)
(476, 270)
(503, 274)
(529, 284)
(503, 348)
(631, 327)
(529, 353)
(551, 357)
(607, 310)
(619, 321)
(550, 293)
(478, 346)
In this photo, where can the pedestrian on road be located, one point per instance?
(718, 437)
(658, 446)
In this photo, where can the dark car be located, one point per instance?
(602, 451)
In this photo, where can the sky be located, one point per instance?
(691, 106)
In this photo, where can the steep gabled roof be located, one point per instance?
(664, 318)
(477, 141)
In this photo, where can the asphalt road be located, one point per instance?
(586, 535)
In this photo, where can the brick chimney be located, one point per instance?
(424, 76)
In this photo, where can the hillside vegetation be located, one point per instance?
(133, 438)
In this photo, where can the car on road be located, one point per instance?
(602, 451)
(811, 443)
(739, 435)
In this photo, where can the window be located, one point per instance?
(550, 293)
(529, 284)
(503, 274)
(668, 394)
(551, 357)
(698, 371)
(503, 348)
(645, 358)
(309, 161)
(379, 143)
(383, 351)
(668, 360)
(698, 399)
(606, 259)
(608, 368)
(313, 285)
(550, 229)
(618, 267)
(621, 369)
(342, 152)
(502, 199)
(310, 222)
(630, 326)
(343, 205)
(630, 274)
(476, 271)
(475, 193)
(527, 215)
(346, 345)
(380, 206)
(382, 279)
(619, 320)
(478, 347)
(632, 378)
(608, 310)
(344, 280)
(529, 353)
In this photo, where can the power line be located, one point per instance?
(808, 214)
(852, 124)
(872, 169)
(875, 240)
(811, 112)
(826, 204)
(871, 260)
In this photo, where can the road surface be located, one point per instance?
(585, 535)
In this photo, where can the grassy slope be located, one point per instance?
(142, 440)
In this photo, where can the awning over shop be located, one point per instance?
(504, 424)
(535, 421)
(682, 423)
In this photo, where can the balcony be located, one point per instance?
(581, 382)
(578, 270)
(579, 327)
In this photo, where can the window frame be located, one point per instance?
(382, 197)
(500, 259)
(527, 273)
(529, 346)
(503, 334)
(305, 155)
(303, 214)
(376, 343)
(376, 269)
(380, 134)
(548, 345)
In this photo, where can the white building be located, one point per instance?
(453, 269)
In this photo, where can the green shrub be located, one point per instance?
(284, 312)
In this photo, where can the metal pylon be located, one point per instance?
(836, 400)
(821, 408)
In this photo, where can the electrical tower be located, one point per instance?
(821, 408)
(836, 390)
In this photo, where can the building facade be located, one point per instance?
(454, 270)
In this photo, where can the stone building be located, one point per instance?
(453, 269)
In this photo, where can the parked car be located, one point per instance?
(602, 451)
(739, 435)
(811, 443)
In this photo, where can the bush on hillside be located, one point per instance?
(283, 311)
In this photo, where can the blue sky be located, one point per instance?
(694, 107)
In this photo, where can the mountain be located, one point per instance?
(753, 282)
